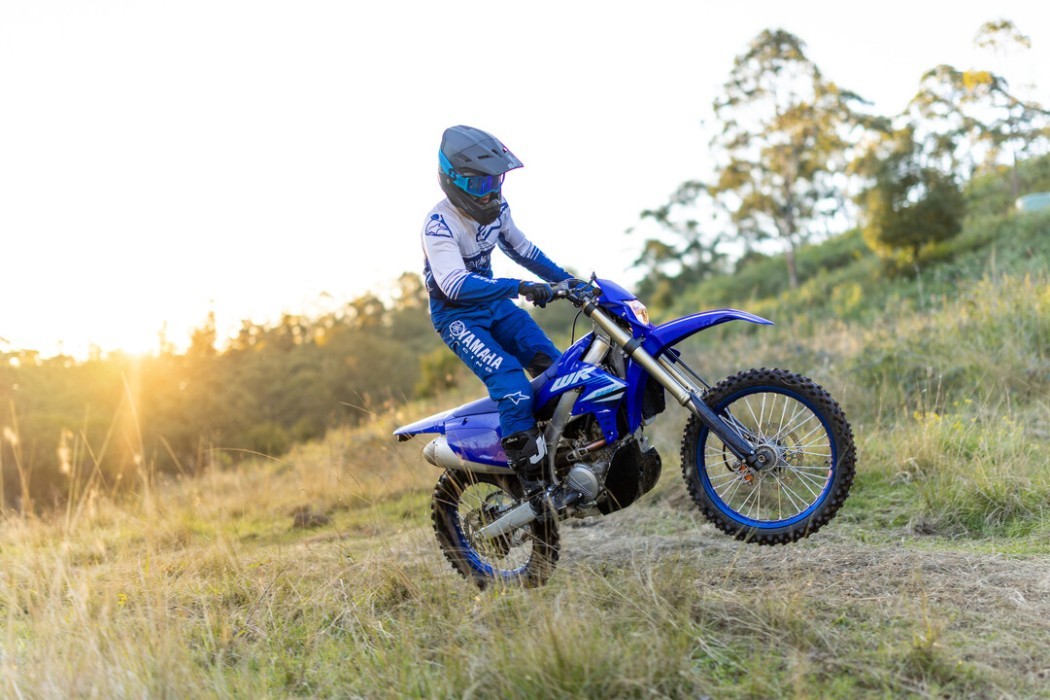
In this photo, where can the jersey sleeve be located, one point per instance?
(519, 249)
(450, 275)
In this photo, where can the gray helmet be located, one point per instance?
(472, 164)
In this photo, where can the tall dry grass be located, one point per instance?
(317, 574)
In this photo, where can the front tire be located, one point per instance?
(463, 503)
(813, 458)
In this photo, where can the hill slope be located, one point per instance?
(317, 575)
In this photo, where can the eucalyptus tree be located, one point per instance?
(786, 138)
(668, 268)
(968, 118)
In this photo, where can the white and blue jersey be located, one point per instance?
(474, 313)
(458, 252)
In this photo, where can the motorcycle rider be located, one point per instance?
(470, 308)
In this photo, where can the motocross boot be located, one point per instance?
(526, 451)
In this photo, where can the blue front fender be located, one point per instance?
(661, 337)
(667, 334)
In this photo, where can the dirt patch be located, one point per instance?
(989, 610)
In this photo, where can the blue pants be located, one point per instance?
(498, 340)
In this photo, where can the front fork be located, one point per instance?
(684, 391)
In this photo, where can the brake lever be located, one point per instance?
(565, 290)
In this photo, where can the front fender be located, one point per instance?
(667, 334)
(661, 337)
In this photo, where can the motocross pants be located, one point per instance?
(498, 341)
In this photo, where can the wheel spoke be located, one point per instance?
(798, 417)
(793, 497)
(808, 479)
(758, 421)
(811, 453)
(804, 483)
(783, 412)
(816, 429)
(791, 419)
(733, 489)
(748, 498)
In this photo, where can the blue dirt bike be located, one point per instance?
(767, 454)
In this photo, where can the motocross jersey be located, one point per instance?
(458, 253)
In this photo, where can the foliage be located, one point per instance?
(121, 420)
(668, 269)
(968, 118)
(910, 205)
(990, 193)
(785, 135)
(792, 146)
(786, 130)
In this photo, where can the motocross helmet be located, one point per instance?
(472, 164)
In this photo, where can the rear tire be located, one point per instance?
(805, 430)
(465, 502)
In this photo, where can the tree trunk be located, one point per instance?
(789, 256)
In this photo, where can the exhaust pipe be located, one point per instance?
(439, 453)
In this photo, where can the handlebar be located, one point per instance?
(577, 291)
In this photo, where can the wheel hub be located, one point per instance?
(765, 457)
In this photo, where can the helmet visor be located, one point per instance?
(474, 185)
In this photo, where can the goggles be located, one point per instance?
(474, 185)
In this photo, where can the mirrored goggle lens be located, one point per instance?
(480, 185)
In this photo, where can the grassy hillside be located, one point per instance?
(317, 575)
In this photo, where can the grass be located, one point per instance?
(210, 590)
(317, 575)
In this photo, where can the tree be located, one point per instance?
(910, 204)
(695, 255)
(786, 136)
(786, 133)
(968, 118)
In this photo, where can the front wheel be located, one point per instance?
(464, 503)
(810, 466)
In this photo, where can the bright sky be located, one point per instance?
(160, 160)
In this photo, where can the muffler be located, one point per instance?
(439, 453)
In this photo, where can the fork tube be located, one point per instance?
(671, 379)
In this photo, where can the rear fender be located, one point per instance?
(431, 424)
(472, 434)
(442, 422)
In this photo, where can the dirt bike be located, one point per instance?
(767, 454)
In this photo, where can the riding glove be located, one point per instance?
(538, 293)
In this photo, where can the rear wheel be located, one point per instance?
(463, 503)
(811, 458)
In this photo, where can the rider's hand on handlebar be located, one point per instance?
(575, 290)
(539, 293)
